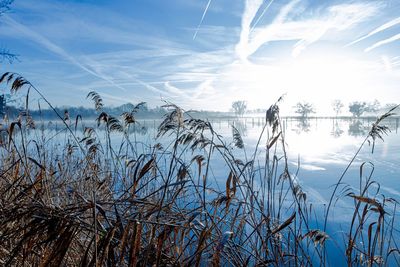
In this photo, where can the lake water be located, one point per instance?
(319, 150)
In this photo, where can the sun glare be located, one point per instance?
(318, 78)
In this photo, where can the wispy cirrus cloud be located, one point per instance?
(381, 28)
(305, 30)
(250, 11)
(110, 71)
(262, 15)
(386, 26)
(383, 42)
(52, 47)
(202, 90)
(246, 55)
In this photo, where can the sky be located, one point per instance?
(205, 54)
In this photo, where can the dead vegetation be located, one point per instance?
(91, 202)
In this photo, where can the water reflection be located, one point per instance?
(357, 128)
(336, 130)
(241, 126)
(142, 130)
(138, 128)
(303, 126)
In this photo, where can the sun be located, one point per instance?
(318, 78)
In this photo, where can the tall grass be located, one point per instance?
(95, 202)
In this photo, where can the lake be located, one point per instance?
(318, 152)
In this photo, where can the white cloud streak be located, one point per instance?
(381, 28)
(383, 42)
(87, 64)
(306, 31)
(36, 37)
(108, 67)
(202, 18)
(152, 66)
(262, 15)
(251, 8)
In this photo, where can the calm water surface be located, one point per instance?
(319, 150)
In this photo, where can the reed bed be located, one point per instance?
(94, 202)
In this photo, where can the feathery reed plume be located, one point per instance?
(97, 100)
(194, 200)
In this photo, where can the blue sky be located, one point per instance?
(205, 54)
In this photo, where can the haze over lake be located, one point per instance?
(199, 133)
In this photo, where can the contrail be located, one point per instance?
(383, 42)
(377, 30)
(202, 18)
(262, 14)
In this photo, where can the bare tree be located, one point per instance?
(304, 109)
(239, 107)
(357, 108)
(337, 106)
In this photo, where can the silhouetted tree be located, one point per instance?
(337, 106)
(239, 107)
(357, 108)
(304, 109)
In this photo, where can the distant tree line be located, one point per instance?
(88, 113)
(304, 109)
(239, 108)
(85, 112)
(357, 108)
